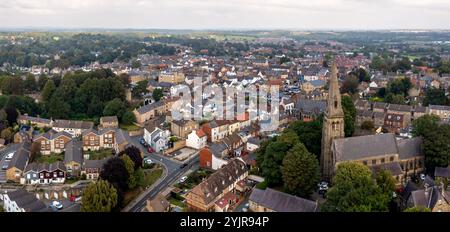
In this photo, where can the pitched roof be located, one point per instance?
(200, 133)
(149, 107)
(355, 148)
(20, 159)
(393, 167)
(52, 134)
(282, 202)
(402, 108)
(408, 148)
(73, 124)
(109, 119)
(212, 187)
(38, 167)
(74, 152)
(26, 201)
(442, 172)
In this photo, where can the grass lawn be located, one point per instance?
(151, 176)
(52, 158)
(70, 181)
(176, 202)
(131, 195)
(131, 127)
(101, 154)
(194, 179)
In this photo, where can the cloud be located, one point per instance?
(358, 14)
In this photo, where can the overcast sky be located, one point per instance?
(227, 14)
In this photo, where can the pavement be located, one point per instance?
(173, 172)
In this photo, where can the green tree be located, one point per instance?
(354, 190)
(115, 107)
(417, 209)
(128, 118)
(395, 98)
(350, 84)
(436, 147)
(136, 64)
(309, 133)
(349, 115)
(30, 84)
(435, 96)
(385, 181)
(100, 196)
(367, 125)
(129, 164)
(157, 94)
(140, 89)
(6, 134)
(57, 108)
(300, 171)
(425, 124)
(48, 90)
(42, 81)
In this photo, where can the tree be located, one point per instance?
(354, 190)
(435, 96)
(135, 155)
(130, 168)
(350, 84)
(349, 115)
(6, 134)
(436, 147)
(361, 74)
(128, 118)
(115, 107)
(48, 90)
(157, 94)
(300, 171)
(100, 196)
(115, 172)
(309, 133)
(140, 89)
(30, 84)
(367, 125)
(395, 98)
(425, 124)
(12, 85)
(11, 113)
(58, 108)
(385, 181)
(42, 81)
(417, 209)
(136, 64)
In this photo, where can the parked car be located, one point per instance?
(150, 149)
(142, 142)
(422, 176)
(5, 166)
(183, 179)
(56, 205)
(148, 161)
(9, 156)
(183, 166)
(244, 209)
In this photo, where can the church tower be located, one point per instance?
(333, 125)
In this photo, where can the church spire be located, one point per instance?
(333, 125)
(334, 107)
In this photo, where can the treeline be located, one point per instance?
(79, 95)
(76, 50)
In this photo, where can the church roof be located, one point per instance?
(356, 148)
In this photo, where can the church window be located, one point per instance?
(335, 104)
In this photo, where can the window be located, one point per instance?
(382, 160)
(391, 159)
(335, 104)
(365, 162)
(374, 161)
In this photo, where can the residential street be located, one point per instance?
(173, 173)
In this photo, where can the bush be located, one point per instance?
(262, 185)
(367, 125)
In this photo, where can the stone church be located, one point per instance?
(379, 152)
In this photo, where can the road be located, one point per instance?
(173, 173)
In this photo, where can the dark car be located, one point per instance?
(142, 142)
(183, 166)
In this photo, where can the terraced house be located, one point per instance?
(74, 128)
(53, 141)
(94, 140)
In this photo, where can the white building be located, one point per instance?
(21, 201)
(157, 139)
(196, 139)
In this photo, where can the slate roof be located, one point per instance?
(282, 202)
(402, 108)
(52, 134)
(408, 148)
(313, 106)
(73, 124)
(109, 119)
(150, 107)
(355, 148)
(218, 148)
(393, 167)
(38, 167)
(74, 152)
(20, 159)
(95, 163)
(442, 172)
(212, 187)
(34, 119)
(26, 200)
(438, 107)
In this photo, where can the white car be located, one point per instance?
(422, 176)
(148, 161)
(9, 156)
(244, 209)
(183, 179)
(56, 205)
